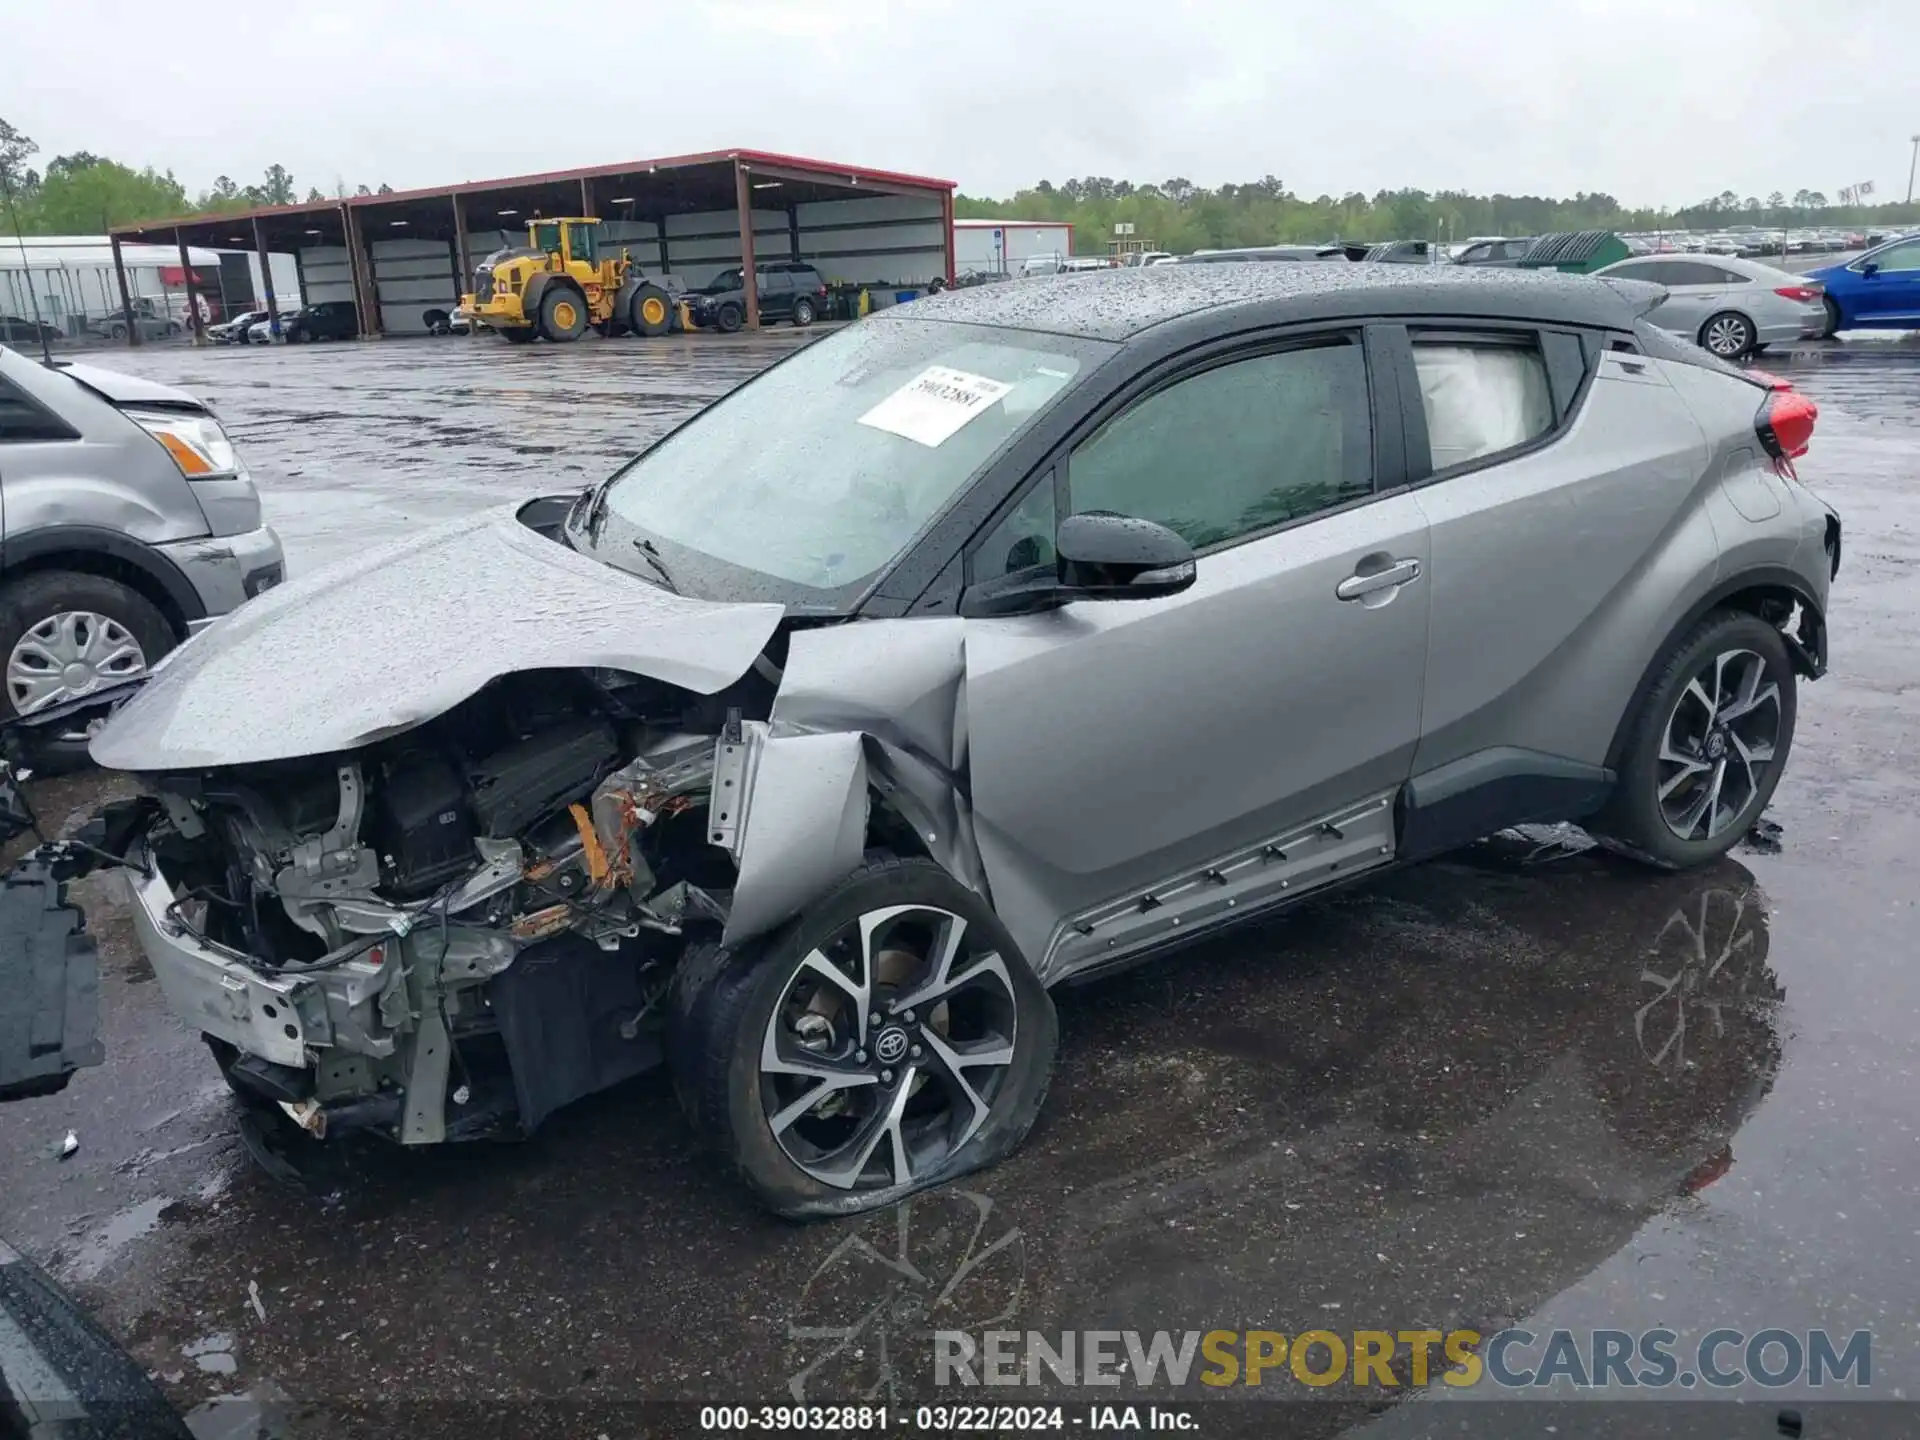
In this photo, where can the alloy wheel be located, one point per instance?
(1728, 337)
(1717, 744)
(888, 1048)
(67, 655)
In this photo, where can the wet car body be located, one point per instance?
(563, 822)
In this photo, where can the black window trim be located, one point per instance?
(1389, 453)
(60, 431)
(1499, 332)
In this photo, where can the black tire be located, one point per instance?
(726, 1002)
(31, 599)
(1633, 820)
(1833, 318)
(1736, 327)
(803, 312)
(117, 332)
(556, 305)
(438, 322)
(518, 335)
(729, 317)
(650, 311)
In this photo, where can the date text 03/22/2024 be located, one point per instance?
(943, 1419)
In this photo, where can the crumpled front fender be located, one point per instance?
(863, 710)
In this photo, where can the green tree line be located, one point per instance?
(85, 194)
(1181, 216)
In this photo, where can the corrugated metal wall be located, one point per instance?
(325, 274)
(410, 277)
(874, 240)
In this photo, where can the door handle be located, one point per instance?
(1359, 585)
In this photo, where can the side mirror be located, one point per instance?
(1103, 556)
(1097, 556)
(1870, 268)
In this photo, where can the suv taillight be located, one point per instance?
(1785, 425)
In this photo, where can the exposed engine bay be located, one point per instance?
(469, 924)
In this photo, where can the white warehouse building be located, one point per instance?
(996, 247)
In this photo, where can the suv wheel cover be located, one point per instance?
(69, 654)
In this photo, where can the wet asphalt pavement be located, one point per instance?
(1529, 1083)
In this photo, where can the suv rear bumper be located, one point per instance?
(229, 570)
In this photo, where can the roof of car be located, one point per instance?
(1118, 304)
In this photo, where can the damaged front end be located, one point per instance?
(452, 932)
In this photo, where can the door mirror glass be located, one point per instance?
(1102, 555)
(1870, 267)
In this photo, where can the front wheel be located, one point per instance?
(729, 318)
(1708, 742)
(563, 315)
(890, 1039)
(517, 334)
(650, 313)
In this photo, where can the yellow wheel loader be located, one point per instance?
(559, 283)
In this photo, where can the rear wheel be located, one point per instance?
(889, 1039)
(1709, 739)
(803, 312)
(729, 318)
(1727, 335)
(563, 315)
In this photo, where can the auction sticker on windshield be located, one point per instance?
(930, 408)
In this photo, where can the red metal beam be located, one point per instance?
(817, 171)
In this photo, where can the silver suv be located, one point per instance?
(127, 522)
(988, 644)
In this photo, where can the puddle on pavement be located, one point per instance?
(213, 1354)
(98, 1249)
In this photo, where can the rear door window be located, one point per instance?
(1482, 395)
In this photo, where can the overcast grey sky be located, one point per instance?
(1653, 101)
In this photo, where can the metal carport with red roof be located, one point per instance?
(691, 216)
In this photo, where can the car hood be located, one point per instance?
(122, 389)
(386, 641)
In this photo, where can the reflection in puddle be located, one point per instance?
(863, 1327)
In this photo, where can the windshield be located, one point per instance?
(803, 483)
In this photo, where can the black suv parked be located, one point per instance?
(787, 292)
(327, 320)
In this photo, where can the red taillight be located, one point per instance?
(1785, 425)
(1801, 293)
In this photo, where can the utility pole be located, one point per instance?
(1910, 164)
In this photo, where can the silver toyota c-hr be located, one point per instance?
(989, 643)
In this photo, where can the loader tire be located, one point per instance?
(651, 313)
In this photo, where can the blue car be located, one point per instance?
(1880, 290)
